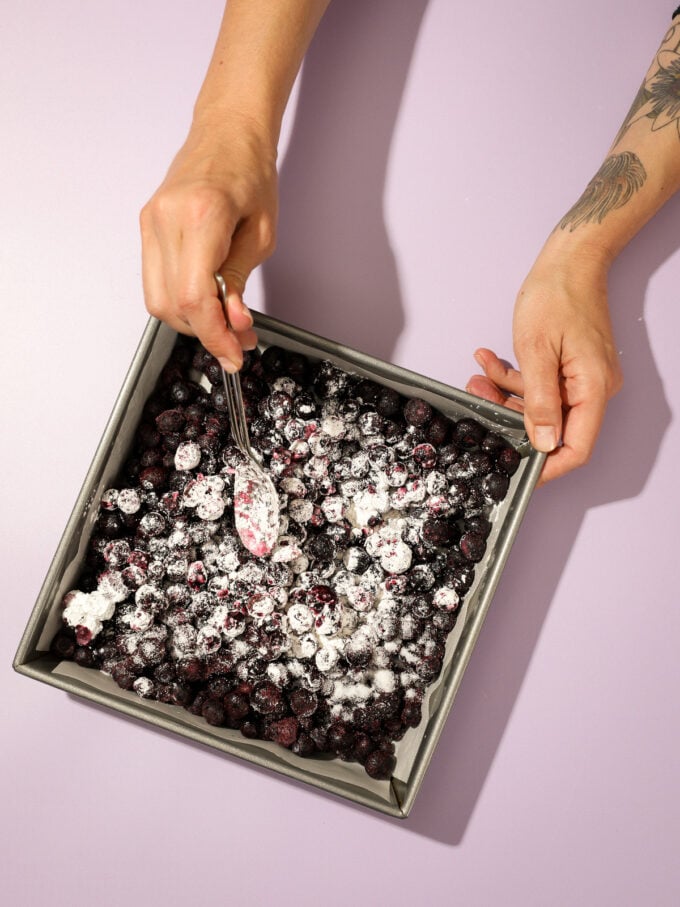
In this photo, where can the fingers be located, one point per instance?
(179, 266)
(508, 379)
(540, 367)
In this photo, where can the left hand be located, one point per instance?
(568, 364)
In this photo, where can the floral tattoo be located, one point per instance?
(617, 180)
(659, 96)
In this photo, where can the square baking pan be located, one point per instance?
(394, 796)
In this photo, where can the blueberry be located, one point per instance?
(213, 712)
(468, 434)
(303, 702)
(389, 402)
(284, 732)
(274, 360)
(508, 460)
(170, 421)
(266, 698)
(495, 486)
(473, 546)
(417, 412)
(380, 765)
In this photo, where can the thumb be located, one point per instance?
(540, 368)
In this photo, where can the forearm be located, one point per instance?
(258, 53)
(641, 170)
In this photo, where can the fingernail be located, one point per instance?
(478, 359)
(545, 438)
(229, 366)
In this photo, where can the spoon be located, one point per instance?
(256, 503)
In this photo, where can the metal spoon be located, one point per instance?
(256, 503)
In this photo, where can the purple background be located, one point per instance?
(435, 146)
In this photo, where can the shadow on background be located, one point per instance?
(636, 422)
(334, 272)
(334, 262)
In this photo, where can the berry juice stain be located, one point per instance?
(256, 514)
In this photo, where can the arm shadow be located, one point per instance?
(619, 470)
(334, 271)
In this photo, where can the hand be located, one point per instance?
(568, 364)
(215, 211)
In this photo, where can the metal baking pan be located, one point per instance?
(395, 796)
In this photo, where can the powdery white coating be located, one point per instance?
(356, 692)
(446, 598)
(384, 681)
(300, 618)
(360, 598)
(304, 646)
(326, 658)
(373, 501)
(112, 585)
(256, 509)
(260, 605)
(109, 499)
(286, 551)
(140, 620)
(208, 640)
(129, 500)
(333, 508)
(143, 686)
(334, 426)
(300, 510)
(89, 610)
(396, 557)
(210, 508)
(286, 385)
(187, 455)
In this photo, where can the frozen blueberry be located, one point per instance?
(417, 412)
(213, 711)
(274, 360)
(170, 421)
(389, 402)
(380, 765)
(473, 546)
(266, 698)
(303, 702)
(508, 459)
(468, 434)
(284, 732)
(495, 486)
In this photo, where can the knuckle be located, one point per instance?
(267, 239)
(155, 307)
(187, 303)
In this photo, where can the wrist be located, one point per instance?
(220, 123)
(585, 249)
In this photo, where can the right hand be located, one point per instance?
(214, 211)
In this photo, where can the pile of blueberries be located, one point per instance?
(198, 628)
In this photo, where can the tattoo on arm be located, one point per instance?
(659, 96)
(614, 184)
